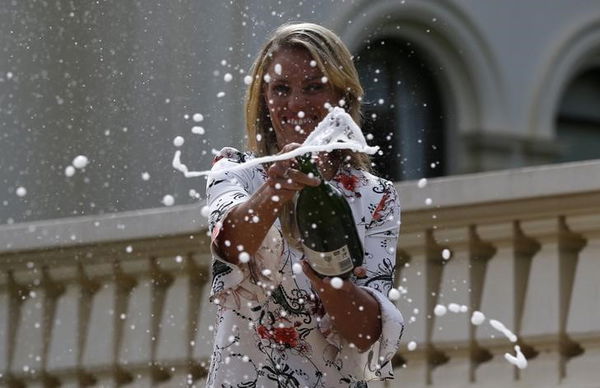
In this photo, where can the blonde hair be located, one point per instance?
(332, 58)
(335, 62)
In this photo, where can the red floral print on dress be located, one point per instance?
(217, 158)
(378, 213)
(348, 181)
(280, 334)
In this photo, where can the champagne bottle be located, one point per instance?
(327, 230)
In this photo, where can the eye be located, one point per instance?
(281, 89)
(314, 87)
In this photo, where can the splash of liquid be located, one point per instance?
(337, 131)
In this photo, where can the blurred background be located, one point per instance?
(452, 87)
(496, 103)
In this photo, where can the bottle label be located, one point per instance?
(332, 263)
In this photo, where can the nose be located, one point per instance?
(296, 102)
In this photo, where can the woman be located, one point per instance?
(278, 325)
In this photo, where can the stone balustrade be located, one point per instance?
(121, 300)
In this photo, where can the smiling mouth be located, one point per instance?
(300, 122)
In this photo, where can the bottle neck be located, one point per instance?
(307, 166)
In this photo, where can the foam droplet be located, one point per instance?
(178, 141)
(70, 171)
(168, 200)
(204, 211)
(477, 318)
(198, 130)
(440, 310)
(80, 161)
(297, 268)
(244, 257)
(336, 282)
(394, 294)
(519, 361)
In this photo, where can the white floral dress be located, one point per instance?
(271, 329)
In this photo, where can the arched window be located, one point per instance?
(402, 110)
(578, 118)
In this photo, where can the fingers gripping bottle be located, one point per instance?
(327, 230)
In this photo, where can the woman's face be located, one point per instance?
(296, 94)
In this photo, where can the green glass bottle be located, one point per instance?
(327, 230)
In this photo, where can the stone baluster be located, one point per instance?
(480, 253)
(539, 325)
(497, 301)
(570, 245)
(412, 282)
(16, 295)
(583, 317)
(196, 336)
(449, 287)
(88, 288)
(205, 316)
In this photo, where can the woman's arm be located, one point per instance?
(354, 312)
(246, 225)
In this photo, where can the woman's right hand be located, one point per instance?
(285, 179)
(247, 223)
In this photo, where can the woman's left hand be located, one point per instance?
(355, 314)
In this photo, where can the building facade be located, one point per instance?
(93, 265)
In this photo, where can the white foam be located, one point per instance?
(198, 130)
(80, 161)
(454, 307)
(477, 318)
(21, 191)
(244, 257)
(168, 200)
(178, 141)
(297, 268)
(440, 310)
(336, 282)
(337, 131)
(69, 171)
(519, 361)
(394, 294)
(501, 328)
(204, 211)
